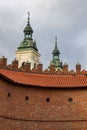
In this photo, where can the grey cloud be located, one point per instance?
(66, 19)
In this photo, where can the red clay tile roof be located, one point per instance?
(45, 80)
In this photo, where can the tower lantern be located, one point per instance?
(28, 30)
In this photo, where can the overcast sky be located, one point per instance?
(66, 19)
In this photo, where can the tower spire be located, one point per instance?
(56, 42)
(56, 60)
(28, 17)
(56, 52)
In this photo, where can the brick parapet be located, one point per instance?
(39, 68)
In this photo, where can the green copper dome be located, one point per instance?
(56, 61)
(28, 43)
(28, 28)
(57, 64)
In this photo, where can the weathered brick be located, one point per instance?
(37, 108)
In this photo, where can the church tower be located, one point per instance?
(27, 50)
(56, 60)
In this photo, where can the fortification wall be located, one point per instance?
(32, 108)
(9, 124)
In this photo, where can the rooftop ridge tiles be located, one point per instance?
(43, 80)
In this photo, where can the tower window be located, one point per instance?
(34, 65)
(23, 64)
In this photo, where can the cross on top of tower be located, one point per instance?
(28, 17)
(56, 42)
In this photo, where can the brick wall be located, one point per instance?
(7, 124)
(35, 108)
